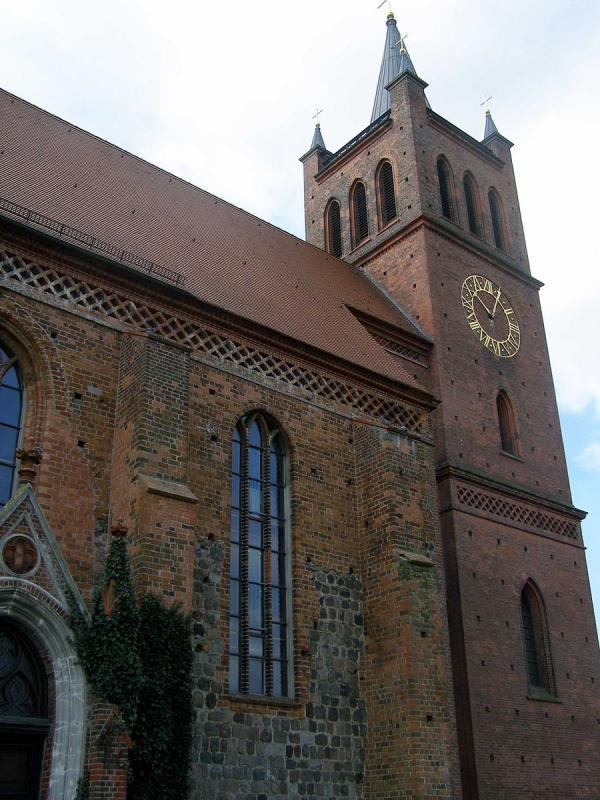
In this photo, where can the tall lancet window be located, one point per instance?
(11, 407)
(386, 194)
(260, 644)
(360, 218)
(473, 206)
(333, 229)
(446, 185)
(538, 661)
(498, 223)
(506, 423)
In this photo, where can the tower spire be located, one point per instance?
(490, 125)
(395, 61)
(317, 140)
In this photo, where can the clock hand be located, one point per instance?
(496, 303)
(487, 311)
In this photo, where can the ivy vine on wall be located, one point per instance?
(139, 657)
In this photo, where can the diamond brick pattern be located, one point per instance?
(399, 349)
(516, 512)
(211, 343)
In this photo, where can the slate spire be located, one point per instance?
(490, 125)
(317, 140)
(395, 61)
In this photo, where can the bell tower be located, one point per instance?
(432, 214)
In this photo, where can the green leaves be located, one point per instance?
(160, 760)
(140, 659)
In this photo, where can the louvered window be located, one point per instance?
(260, 590)
(472, 203)
(506, 423)
(387, 196)
(497, 220)
(360, 219)
(333, 229)
(11, 403)
(446, 194)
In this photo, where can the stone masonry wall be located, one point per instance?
(275, 756)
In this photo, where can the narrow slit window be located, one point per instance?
(260, 599)
(446, 189)
(506, 423)
(333, 229)
(538, 663)
(11, 411)
(472, 203)
(360, 218)
(387, 194)
(497, 215)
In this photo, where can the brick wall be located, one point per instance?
(137, 428)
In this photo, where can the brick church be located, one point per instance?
(341, 457)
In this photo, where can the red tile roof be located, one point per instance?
(229, 258)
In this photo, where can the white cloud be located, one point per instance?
(589, 458)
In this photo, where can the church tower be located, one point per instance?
(432, 215)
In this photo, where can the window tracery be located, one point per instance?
(260, 598)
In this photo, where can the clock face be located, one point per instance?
(491, 316)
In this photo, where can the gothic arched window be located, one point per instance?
(538, 662)
(11, 408)
(385, 193)
(360, 218)
(446, 189)
(260, 646)
(473, 207)
(506, 423)
(498, 224)
(333, 229)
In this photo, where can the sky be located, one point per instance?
(223, 94)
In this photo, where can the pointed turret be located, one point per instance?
(490, 125)
(395, 61)
(317, 140)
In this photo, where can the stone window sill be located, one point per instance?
(512, 455)
(541, 696)
(383, 228)
(263, 700)
(362, 243)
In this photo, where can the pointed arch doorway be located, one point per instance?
(24, 721)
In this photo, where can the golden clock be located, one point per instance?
(490, 316)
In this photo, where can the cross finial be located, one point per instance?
(486, 104)
(389, 4)
(400, 42)
(316, 115)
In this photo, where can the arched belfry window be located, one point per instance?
(386, 194)
(11, 412)
(333, 229)
(506, 424)
(538, 661)
(446, 185)
(360, 217)
(23, 715)
(260, 647)
(498, 223)
(473, 206)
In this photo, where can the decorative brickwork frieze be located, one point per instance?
(401, 350)
(516, 512)
(210, 343)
